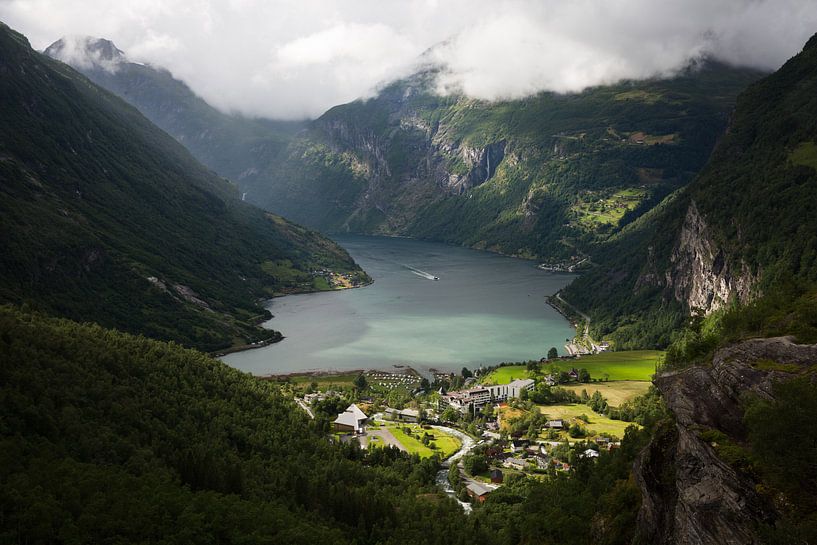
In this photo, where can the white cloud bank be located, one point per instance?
(296, 58)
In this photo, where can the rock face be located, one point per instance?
(690, 495)
(701, 276)
(409, 163)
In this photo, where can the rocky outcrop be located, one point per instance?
(701, 275)
(481, 163)
(690, 495)
(410, 159)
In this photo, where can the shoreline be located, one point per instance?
(280, 337)
(532, 259)
(285, 377)
(326, 373)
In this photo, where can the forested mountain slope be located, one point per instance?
(546, 176)
(744, 227)
(110, 438)
(105, 217)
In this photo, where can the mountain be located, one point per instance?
(234, 146)
(743, 229)
(548, 176)
(543, 177)
(105, 217)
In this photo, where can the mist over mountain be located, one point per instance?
(545, 177)
(295, 60)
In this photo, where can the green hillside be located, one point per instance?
(546, 176)
(109, 438)
(755, 198)
(104, 217)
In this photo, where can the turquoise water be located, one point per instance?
(484, 309)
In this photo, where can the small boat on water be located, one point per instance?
(436, 278)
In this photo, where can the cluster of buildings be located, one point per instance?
(474, 398)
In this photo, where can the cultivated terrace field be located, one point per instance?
(616, 392)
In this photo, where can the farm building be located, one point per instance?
(477, 491)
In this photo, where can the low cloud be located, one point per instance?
(296, 58)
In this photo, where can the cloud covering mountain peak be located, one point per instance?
(87, 52)
(294, 59)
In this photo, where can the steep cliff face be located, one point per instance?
(700, 275)
(690, 494)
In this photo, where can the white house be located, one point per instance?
(352, 419)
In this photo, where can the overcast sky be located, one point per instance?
(296, 58)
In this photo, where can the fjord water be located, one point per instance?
(484, 309)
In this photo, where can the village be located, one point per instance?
(491, 426)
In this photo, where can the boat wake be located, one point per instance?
(423, 274)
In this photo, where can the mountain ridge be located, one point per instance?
(107, 218)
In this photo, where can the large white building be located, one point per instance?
(352, 419)
(479, 396)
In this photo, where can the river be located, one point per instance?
(481, 309)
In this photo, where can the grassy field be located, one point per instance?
(805, 154)
(616, 392)
(631, 365)
(598, 423)
(324, 380)
(504, 375)
(609, 210)
(638, 365)
(446, 444)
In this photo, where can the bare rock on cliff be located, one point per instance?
(690, 495)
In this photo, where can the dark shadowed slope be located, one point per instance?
(105, 217)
